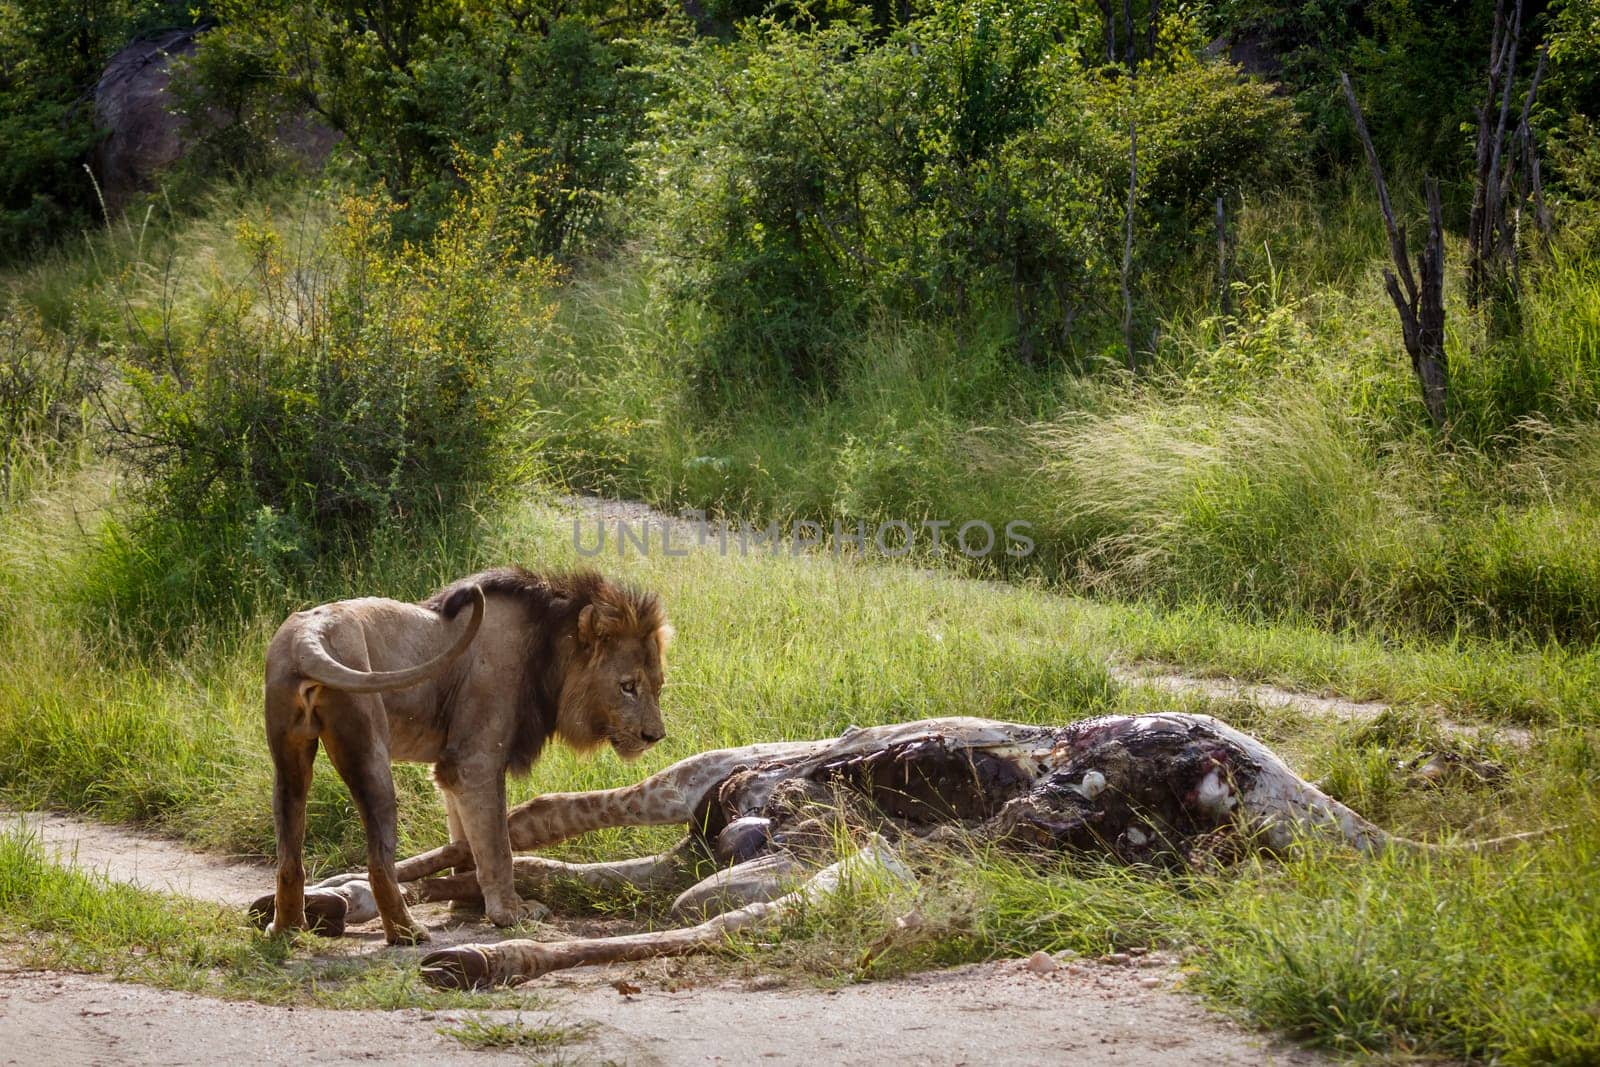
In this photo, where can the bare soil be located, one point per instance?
(686, 1011)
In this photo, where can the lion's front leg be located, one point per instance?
(481, 810)
(458, 830)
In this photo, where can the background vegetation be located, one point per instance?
(856, 263)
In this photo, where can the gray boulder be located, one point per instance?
(142, 134)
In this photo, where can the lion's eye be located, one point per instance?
(630, 687)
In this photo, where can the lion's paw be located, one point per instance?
(523, 911)
(415, 934)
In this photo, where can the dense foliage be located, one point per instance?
(350, 386)
(969, 160)
(418, 90)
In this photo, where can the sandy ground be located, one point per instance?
(990, 1014)
(76, 1020)
(686, 1011)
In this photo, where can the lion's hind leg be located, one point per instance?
(293, 745)
(358, 748)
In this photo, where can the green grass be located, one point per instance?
(485, 1032)
(64, 918)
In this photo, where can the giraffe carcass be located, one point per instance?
(1154, 788)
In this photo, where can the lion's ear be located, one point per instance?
(592, 628)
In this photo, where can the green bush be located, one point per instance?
(969, 160)
(46, 378)
(418, 90)
(316, 399)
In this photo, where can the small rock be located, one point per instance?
(1150, 982)
(1149, 961)
(1116, 959)
(1041, 963)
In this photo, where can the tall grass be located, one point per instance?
(1274, 459)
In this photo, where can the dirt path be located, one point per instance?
(77, 1021)
(687, 1012)
(144, 859)
(1160, 676)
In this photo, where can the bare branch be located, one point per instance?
(1397, 240)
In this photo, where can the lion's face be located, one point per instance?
(612, 690)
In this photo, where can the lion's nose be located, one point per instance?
(652, 736)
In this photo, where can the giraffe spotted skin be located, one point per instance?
(1155, 789)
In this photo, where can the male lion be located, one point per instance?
(572, 656)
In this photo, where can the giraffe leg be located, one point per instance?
(351, 894)
(666, 797)
(763, 878)
(533, 874)
(510, 962)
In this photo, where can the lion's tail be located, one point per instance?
(318, 664)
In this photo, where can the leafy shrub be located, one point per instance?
(968, 160)
(369, 381)
(45, 381)
(418, 89)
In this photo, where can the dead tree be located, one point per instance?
(1521, 175)
(1419, 296)
(1224, 296)
(1492, 230)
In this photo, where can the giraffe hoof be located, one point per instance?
(466, 967)
(325, 913)
(261, 912)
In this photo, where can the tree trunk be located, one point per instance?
(1494, 113)
(1224, 296)
(1127, 244)
(1421, 308)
